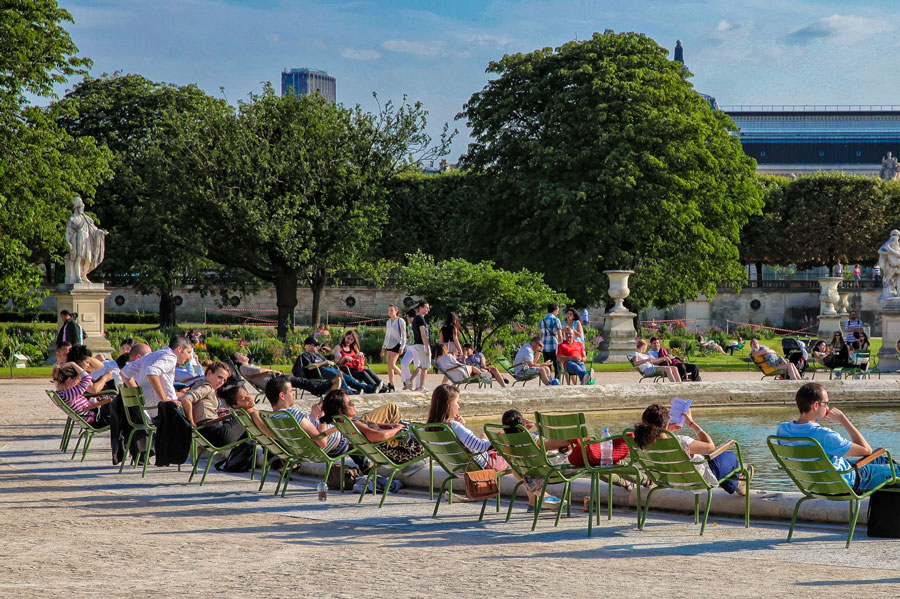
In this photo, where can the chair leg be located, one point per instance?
(253, 463)
(430, 478)
(591, 499)
(77, 444)
(794, 519)
(441, 495)
(696, 509)
(538, 501)
(328, 471)
(638, 494)
(609, 497)
(127, 451)
(372, 472)
(387, 487)
(706, 513)
(147, 455)
(264, 470)
(483, 507)
(87, 444)
(646, 508)
(450, 495)
(193, 470)
(512, 500)
(562, 503)
(854, 514)
(209, 462)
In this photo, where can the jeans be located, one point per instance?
(349, 381)
(721, 465)
(551, 355)
(874, 473)
(576, 368)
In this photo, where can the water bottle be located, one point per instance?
(117, 377)
(606, 448)
(322, 491)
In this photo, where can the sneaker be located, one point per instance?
(554, 382)
(336, 382)
(406, 386)
(742, 485)
(550, 501)
(422, 390)
(379, 386)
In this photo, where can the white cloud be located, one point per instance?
(422, 49)
(845, 28)
(360, 54)
(724, 26)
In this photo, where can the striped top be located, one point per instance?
(75, 399)
(472, 442)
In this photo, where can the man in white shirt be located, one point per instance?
(524, 363)
(155, 372)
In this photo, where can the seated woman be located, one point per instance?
(647, 364)
(445, 408)
(72, 382)
(457, 371)
(512, 420)
(347, 353)
(709, 344)
(768, 361)
(403, 446)
(840, 352)
(733, 345)
(655, 423)
(860, 343)
(450, 335)
(81, 355)
(820, 352)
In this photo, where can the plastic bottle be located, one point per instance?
(322, 491)
(606, 448)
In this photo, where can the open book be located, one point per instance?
(678, 410)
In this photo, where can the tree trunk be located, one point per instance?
(318, 279)
(759, 274)
(286, 300)
(167, 317)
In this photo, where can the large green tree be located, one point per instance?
(600, 155)
(764, 239)
(153, 243)
(42, 167)
(486, 298)
(288, 187)
(831, 217)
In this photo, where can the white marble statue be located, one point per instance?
(890, 168)
(87, 244)
(889, 262)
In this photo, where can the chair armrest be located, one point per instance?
(102, 402)
(869, 458)
(718, 450)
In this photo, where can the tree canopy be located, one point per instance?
(486, 298)
(763, 238)
(600, 155)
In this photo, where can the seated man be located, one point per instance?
(314, 365)
(524, 363)
(768, 360)
(660, 355)
(812, 401)
(201, 406)
(571, 353)
(260, 377)
(456, 371)
(642, 360)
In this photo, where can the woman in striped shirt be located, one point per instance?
(72, 381)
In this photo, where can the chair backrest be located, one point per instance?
(763, 364)
(359, 441)
(667, 464)
(133, 397)
(263, 440)
(444, 447)
(57, 399)
(560, 427)
(519, 448)
(504, 363)
(804, 460)
(291, 436)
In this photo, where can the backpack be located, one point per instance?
(884, 515)
(350, 476)
(239, 459)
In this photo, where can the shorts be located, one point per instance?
(527, 371)
(422, 359)
(395, 349)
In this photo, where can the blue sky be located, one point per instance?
(756, 52)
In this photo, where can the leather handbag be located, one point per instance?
(481, 484)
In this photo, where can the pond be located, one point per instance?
(750, 427)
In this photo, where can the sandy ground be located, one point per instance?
(78, 529)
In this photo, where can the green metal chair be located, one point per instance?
(88, 430)
(199, 444)
(272, 449)
(68, 426)
(372, 450)
(669, 467)
(527, 458)
(655, 375)
(469, 380)
(445, 448)
(517, 378)
(873, 368)
(299, 447)
(765, 369)
(566, 427)
(133, 397)
(855, 369)
(807, 464)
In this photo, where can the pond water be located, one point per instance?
(750, 427)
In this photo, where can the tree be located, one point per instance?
(42, 167)
(764, 239)
(599, 155)
(833, 217)
(485, 298)
(152, 240)
(289, 186)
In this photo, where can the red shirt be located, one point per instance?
(573, 350)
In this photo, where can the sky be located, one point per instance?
(752, 52)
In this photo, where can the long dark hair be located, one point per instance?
(439, 411)
(575, 316)
(354, 345)
(653, 422)
(333, 403)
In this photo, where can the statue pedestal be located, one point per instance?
(87, 299)
(890, 334)
(618, 338)
(828, 326)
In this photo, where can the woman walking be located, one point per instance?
(394, 342)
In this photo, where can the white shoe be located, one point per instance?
(422, 390)
(380, 386)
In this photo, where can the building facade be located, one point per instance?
(308, 81)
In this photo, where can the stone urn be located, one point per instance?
(844, 304)
(829, 295)
(618, 289)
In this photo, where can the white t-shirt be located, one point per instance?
(646, 366)
(449, 364)
(523, 356)
(699, 460)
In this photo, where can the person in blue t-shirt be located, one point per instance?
(812, 401)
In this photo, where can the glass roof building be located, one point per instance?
(308, 81)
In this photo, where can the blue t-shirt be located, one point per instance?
(475, 359)
(835, 446)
